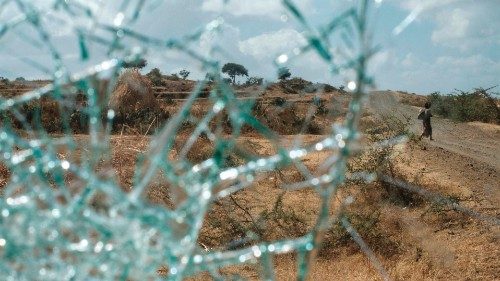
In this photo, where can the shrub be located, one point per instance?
(329, 88)
(139, 64)
(321, 108)
(173, 77)
(184, 74)
(462, 106)
(284, 73)
(254, 81)
(143, 120)
(314, 128)
(235, 224)
(278, 101)
(156, 77)
(297, 83)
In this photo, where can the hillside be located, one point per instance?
(416, 237)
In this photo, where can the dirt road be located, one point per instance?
(475, 140)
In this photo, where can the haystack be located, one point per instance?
(133, 93)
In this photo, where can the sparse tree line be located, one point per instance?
(232, 70)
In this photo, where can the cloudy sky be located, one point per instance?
(449, 43)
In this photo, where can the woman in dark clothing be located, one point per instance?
(425, 115)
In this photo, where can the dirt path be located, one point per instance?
(475, 140)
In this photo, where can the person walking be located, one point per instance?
(425, 115)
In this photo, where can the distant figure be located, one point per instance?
(425, 115)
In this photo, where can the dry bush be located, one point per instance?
(47, 114)
(477, 105)
(202, 150)
(321, 106)
(367, 224)
(133, 92)
(135, 105)
(286, 119)
(296, 84)
(4, 176)
(378, 159)
(236, 223)
(365, 213)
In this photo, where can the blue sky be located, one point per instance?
(451, 43)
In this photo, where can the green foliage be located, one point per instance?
(173, 77)
(284, 73)
(321, 106)
(462, 106)
(254, 81)
(184, 74)
(140, 63)
(156, 77)
(233, 70)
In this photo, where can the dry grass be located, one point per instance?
(414, 239)
(411, 99)
(133, 92)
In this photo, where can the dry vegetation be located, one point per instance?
(479, 104)
(415, 238)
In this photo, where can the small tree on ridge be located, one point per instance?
(139, 64)
(233, 70)
(155, 76)
(284, 73)
(184, 74)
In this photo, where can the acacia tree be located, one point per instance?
(284, 73)
(184, 74)
(233, 70)
(139, 63)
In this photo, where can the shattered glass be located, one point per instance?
(64, 215)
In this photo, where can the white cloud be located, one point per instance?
(269, 8)
(377, 62)
(475, 65)
(459, 23)
(426, 5)
(468, 26)
(409, 60)
(226, 40)
(268, 45)
(263, 49)
(452, 25)
(444, 73)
